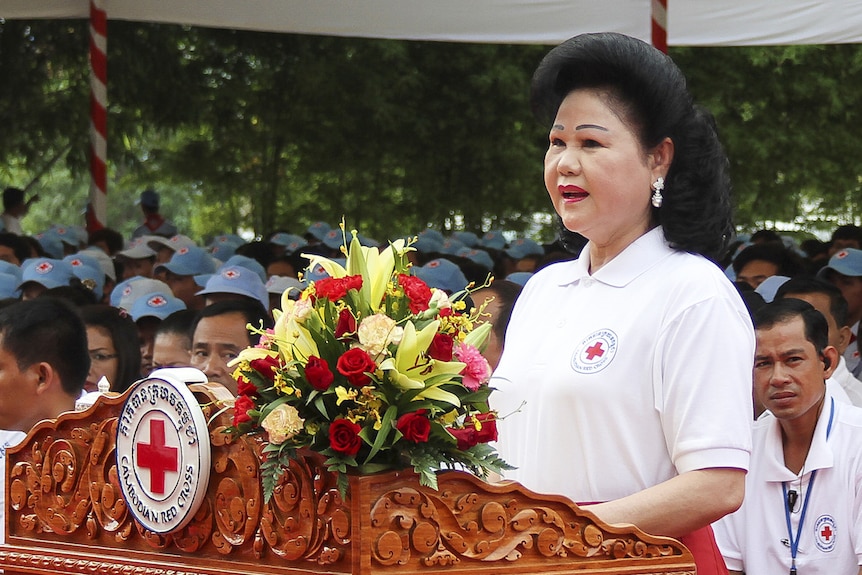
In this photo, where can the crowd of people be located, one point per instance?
(632, 358)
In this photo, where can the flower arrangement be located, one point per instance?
(373, 369)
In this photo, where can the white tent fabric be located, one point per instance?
(690, 22)
(487, 21)
(763, 22)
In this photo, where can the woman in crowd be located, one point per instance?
(112, 340)
(625, 380)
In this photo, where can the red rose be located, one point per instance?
(489, 427)
(441, 347)
(346, 324)
(240, 409)
(336, 288)
(245, 387)
(266, 366)
(417, 291)
(318, 374)
(469, 436)
(414, 426)
(344, 437)
(353, 364)
(445, 312)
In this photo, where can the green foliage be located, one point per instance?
(788, 116)
(254, 132)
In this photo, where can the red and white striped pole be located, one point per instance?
(97, 208)
(659, 24)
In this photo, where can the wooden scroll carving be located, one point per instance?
(65, 515)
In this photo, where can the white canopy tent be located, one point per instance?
(690, 22)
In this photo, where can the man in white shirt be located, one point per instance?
(789, 522)
(43, 365)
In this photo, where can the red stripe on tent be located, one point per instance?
(96, 211)
(659, 24)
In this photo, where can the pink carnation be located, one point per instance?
(477, 371)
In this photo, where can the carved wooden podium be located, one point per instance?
(65, 514)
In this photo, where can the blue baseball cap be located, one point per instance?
(847, 262)
(493, 239)
(155, 304)
(769, 286)
(106, 264)
(442, 274)
(248, 263)
(51, 243)
(68, 235)
(469, 239)
(11, 269)
(290, 242)
(191, 261)
(237, 280)
(88, 271)
(318, 230)
(524, 247)
(451, 246)
(9, 286)
(48, 272)
(433, 234)
(478, 257)
(427, 245)
(279, 284)
(334, 240)
(127, 291)
(519, 278)
(138, 249)
(173, 243)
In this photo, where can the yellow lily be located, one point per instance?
(293, 339)
(412, 369)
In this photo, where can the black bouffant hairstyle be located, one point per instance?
(649, 92)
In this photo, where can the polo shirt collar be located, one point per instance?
(820, 454)
(641, 255)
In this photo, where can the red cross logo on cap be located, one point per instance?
(76, 262)
(182, 251)
(231, 274)
(157, 456)
(61, 231)
(127, 290)
(331, 234)
(842, 254)
(44, 268)
(434, 264)
(174, 239)
(157, 301)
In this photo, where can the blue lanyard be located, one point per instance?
(794, 542)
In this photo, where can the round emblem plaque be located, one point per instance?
(163, 450)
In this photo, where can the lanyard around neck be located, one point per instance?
(794, 542)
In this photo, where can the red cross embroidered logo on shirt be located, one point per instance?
(158, 457)
(595, 350)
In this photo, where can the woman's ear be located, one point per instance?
(660, 158)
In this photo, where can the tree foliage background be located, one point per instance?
(257, 132)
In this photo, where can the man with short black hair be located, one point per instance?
(43, 366)
(219, 333)
(789, 522)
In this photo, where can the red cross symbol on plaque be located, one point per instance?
(595, 350)
(826, 532)
(156, 456)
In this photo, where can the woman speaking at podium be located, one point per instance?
(627, 372)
